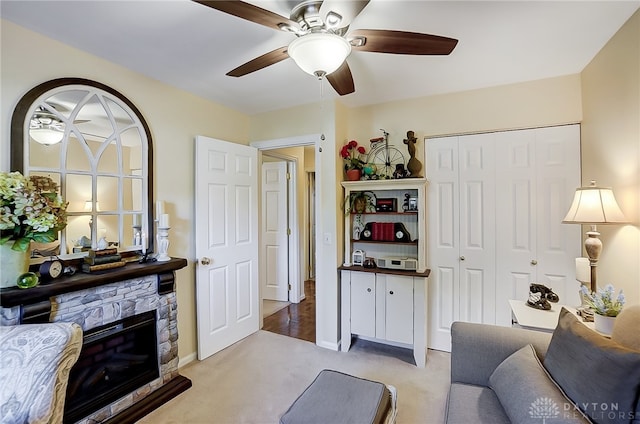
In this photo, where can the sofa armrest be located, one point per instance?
(477, 349)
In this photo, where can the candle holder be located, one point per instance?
(137, 235)
(163, 244)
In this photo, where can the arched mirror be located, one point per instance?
(96, 145)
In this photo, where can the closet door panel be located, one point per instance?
(443, 240)
(477, 228)
(516, 217)
(558, 170)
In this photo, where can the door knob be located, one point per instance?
(369, 290)
(462, 258)
(205, 261)
(391, 292)
(534, 262)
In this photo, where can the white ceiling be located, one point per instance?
(191, 46)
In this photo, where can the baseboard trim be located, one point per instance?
(187, 359)
(330, 346)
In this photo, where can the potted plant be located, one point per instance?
(30, 210)
(353, 163)
(604, 305)
(360, 202)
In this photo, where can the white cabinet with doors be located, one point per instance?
(496, 202)
(384, 307)
(379, 304)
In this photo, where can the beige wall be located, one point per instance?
(174, 116)
(611, 150)
(532, 104)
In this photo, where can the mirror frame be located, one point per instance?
(20, 140)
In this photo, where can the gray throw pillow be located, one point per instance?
(528, 394)
(599, 375)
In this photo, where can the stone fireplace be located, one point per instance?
(110, 307)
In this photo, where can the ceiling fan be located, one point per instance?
(323, 39)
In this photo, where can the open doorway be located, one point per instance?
(290, 210)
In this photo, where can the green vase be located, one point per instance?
(13, 263)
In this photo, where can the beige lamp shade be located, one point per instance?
(594, 205)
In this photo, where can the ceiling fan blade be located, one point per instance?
(260, 62)
(402, 42)
(341, 80)
(249, 12)
(347, 9)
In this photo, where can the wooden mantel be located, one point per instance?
(15, 296)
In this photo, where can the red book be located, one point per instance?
(375, 231)
(388, 231)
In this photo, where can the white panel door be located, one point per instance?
(443, 240)
(274, 243)
(226, 243)
(476, 168)
(558, 244)
(537, 173)
(461, 233)
(516, 188)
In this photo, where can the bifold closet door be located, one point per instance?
(461, 249)
(496, 203)
(537, 172)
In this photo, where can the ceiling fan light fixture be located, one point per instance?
(319, 53)
(46, 136)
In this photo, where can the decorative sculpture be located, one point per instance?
(414, 165)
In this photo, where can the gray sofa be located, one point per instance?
(504, 375)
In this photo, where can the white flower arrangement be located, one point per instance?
(602, 301)
(30, 209)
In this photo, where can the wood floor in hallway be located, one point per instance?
(297, 320)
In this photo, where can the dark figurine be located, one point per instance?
(400, 172)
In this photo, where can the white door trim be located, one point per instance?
(296, 279)
(327, 285)
(278, 143)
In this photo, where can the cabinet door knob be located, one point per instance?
(391, 292)
(462, 258)
(369, 290)
(205, 261)
(534, 262)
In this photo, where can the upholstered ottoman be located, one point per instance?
(339, 398)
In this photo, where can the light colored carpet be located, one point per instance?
(270, 307)
(256, 379)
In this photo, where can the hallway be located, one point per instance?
(297, 320)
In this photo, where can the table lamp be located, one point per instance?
(594, 205)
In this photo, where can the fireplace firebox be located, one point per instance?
(116, 359)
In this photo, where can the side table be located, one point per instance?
(536, 319)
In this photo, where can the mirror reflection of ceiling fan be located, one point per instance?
(323, 40)
(46, 127)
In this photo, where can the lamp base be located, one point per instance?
(593, 246)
